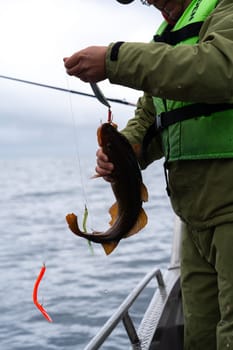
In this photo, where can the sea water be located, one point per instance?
(80, 290)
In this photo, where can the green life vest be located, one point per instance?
(204, 135)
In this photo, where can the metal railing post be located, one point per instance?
(130, 329)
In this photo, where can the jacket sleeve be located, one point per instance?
(137, 128)
(198, 73)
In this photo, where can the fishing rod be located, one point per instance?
(115, 100)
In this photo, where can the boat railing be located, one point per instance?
(141, 339)
(122, 314)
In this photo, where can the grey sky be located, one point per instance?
(35, 36)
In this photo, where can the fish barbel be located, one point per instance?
(127, 214)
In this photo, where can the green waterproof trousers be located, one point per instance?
(202, 195)
(207, 286)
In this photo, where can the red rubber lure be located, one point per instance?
(35, 292)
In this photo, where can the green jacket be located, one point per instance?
(188, 73)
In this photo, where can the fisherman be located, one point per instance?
(186, 116)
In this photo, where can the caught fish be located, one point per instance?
(127, 215)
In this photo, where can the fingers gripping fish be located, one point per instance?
(127, 214)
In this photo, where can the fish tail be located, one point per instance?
(72, 221)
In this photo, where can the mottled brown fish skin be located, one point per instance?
(126, 185)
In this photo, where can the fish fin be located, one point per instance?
(72, 221)
(144, 193)
(113, 211)
(95, 176)
(109, 247)
(141, 222)
(99, 139)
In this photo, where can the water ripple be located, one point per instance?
(79, 290)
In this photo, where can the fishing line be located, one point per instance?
(78, 158)
(75, 133)
(76, 138)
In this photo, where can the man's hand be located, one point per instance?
(104, 168)
(88, 64)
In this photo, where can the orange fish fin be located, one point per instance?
(141, 222)
(113, 211)
(109, 247)
(72, 221)
(99, 136)
(95, 176)
(144, 193)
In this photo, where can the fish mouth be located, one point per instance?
(100, 132)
